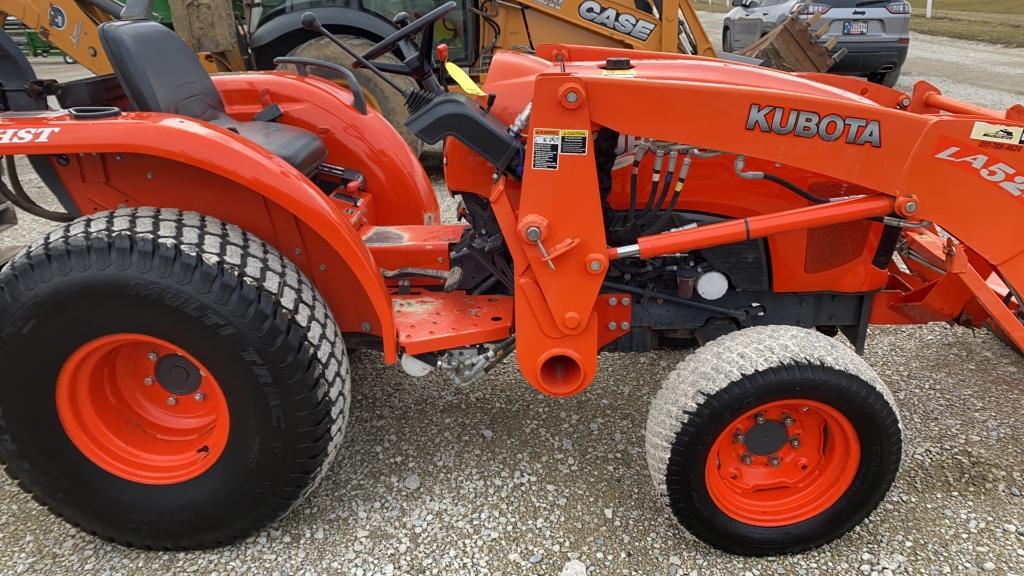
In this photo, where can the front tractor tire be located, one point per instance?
(379, 95)
(772, 440)
(170, 381)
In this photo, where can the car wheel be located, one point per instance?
(887, 78)
(727, 40)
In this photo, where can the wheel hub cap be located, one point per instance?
(177, 375)
(766, 438)
(118, 419)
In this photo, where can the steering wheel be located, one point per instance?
(423, 22)
(420, 66)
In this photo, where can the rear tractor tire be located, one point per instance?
(379, 95)
(772, 440)
(170, 381)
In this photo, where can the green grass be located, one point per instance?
(992, 6)
(992, 32)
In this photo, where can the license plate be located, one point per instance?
(855, 27)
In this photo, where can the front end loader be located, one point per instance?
(176, 374)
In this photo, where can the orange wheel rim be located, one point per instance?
(782, 463)
(142, 409)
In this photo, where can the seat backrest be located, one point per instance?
(158, 71)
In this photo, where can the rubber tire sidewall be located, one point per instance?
(888, 79)
(390, 103)
(891, 78)
(279, 430)
(859, 402)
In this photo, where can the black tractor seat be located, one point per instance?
(159, 73)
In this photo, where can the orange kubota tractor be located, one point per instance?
(175, 369)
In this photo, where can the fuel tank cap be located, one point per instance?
(617, 64)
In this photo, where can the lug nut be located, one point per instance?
(625, 325)
(171, 400)
(199, 397)
(787, 420)
(152, 356)
(774, 461)
(625, 301)
(147, 381)
(613, 326)
(612, 301)
(794, 442)
(746, 459)
(739, 438)
(759, 418)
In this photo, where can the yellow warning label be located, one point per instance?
(574, 142)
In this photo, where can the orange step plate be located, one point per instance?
(428, 322)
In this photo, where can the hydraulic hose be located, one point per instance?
(637, 158)
(684, 171)
(740, 163)
(659, 157)
(666, 184)
(795, 189)
(22, 200)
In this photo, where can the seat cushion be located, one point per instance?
(301, 148)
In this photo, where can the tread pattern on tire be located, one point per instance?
(210, 244)
(728, 359)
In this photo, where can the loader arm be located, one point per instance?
(918, 159)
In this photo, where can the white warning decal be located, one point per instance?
(546, 145)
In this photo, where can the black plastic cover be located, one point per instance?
(454, 115)
(93, 91)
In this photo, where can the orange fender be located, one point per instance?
(148, 159)
(402, 191)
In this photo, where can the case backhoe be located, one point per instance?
(175, 368)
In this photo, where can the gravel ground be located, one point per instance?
(495, 479)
